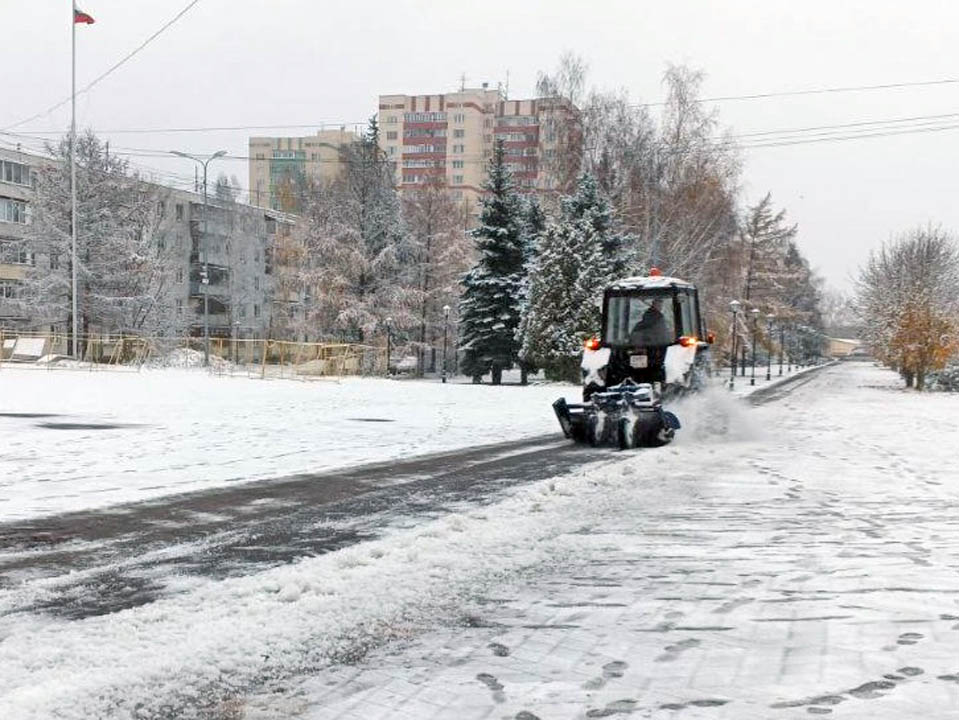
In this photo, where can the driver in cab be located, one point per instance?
(652, 328)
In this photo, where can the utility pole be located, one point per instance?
(205, 270)
(73, 175)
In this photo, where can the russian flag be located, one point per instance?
(81, 17)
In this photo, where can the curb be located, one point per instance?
(770, 392)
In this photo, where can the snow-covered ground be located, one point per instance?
(74, 440)
(796, 559)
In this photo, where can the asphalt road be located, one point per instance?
(99, 562)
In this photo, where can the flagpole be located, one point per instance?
(73, 172)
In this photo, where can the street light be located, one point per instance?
(755, 313)
(769, 351)
(789, 357)
(734, 306)
(446, 325)
(389, 341)
(782, 339)
(205, 272)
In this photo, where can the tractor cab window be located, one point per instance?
(687, 314)
(640, 320)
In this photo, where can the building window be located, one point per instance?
(391, 134)
(54, 261)
(420, 117)
(179, 275)
(256, 282)
(9, 289)
(14, 211)
(391, 119)
(391, 150)
(457, 164)
(459, 118)
(459, 133)
(256, 311)
(457, 179)
(15, 253)
(458, 149)
(179, 211)
(179, 306)
(16, 173)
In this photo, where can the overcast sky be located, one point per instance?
(238, 62)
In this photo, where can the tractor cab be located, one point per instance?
(645, 319)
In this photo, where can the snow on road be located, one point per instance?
(794, 559)
(76, 440)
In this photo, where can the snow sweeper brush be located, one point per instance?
(625, 416)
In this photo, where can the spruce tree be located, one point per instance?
(566, 280)
(576, 258)
(534, 225)
(492, 289)
(588, 205)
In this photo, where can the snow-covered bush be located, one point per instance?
(945, 380)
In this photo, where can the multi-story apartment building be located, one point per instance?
(235, 247)
(278, 165)
(16, 191)
(451, 136)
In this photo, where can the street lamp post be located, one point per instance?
(782, 337)
(446, 326)
(205, 271)
(734, 306)
(789, 359)
(236, 336)
(755, 313)
(769, 352)
(389, 342)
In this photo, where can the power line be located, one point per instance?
(229, 128)
(817, 91)
(324, 125)
(109, 70)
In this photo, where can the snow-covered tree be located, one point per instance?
(124, 262)
(566, 280)
(436, 253)
(577, 256)
(352, 234)
(588, 205)
(907, 296)
(492, 289)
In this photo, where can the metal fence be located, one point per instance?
(249, 357)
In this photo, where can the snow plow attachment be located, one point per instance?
(625, 416)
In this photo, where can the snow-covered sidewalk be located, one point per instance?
(808, 567)
(81, 440)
